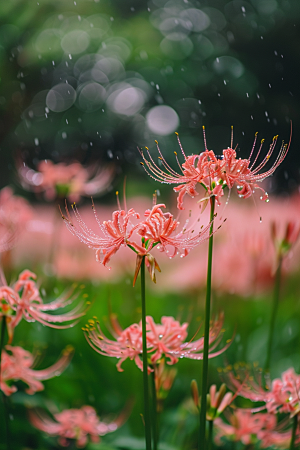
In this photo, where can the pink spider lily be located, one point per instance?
(140, 235)
(244, 426)
(79, 425)
(23, 300)
(17, 364)
(214, 173)
(165, 340)
(115, 233)
(65, 180)
(285, 394)
(282, 396)
(254, 386)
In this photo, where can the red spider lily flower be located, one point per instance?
(285, 394)
(244, 426)
(116, 232)
(18, 365)
(23, 300)
(65, 180)
(248, 384)
(140, 235)
(77, 425)
(214, 173)
(165, 340)
(282, 396)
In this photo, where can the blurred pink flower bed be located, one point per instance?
(244, 254)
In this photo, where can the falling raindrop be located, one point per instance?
(36, 141)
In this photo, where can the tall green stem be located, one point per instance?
(273, 314)
(145, 362)
(5, 406)
(154, 420)
(210, 434)
(295, 423)
(202, 444)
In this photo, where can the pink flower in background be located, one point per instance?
(65, 180)
(215, 173)
(284, 396)
(163, 340)
(244, 426)
(17, 364)
(15, 212)
(75, 424)
(23, 300)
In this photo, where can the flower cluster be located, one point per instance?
(156, 229)
(214, 173)
(17, 364)
(75, 424)
(65, 180)
(248, 428)
(282, 396)
(23, 300)
(165, 340)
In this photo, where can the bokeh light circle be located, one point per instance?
(61, 97)
(162, 120)
(75, 42)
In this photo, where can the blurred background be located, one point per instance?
(93, 80)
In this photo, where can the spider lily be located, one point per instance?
(23, 300)
(78, 425)
(215, 173)
(156, 229)
(65, 180)
(17, 364)
(165, 340)
(283, 395)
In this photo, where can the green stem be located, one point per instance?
(5, 406)
(210, 434)
(154, 420)
(295, 423)
(276, 293)
(145, 361)
(202, 445)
